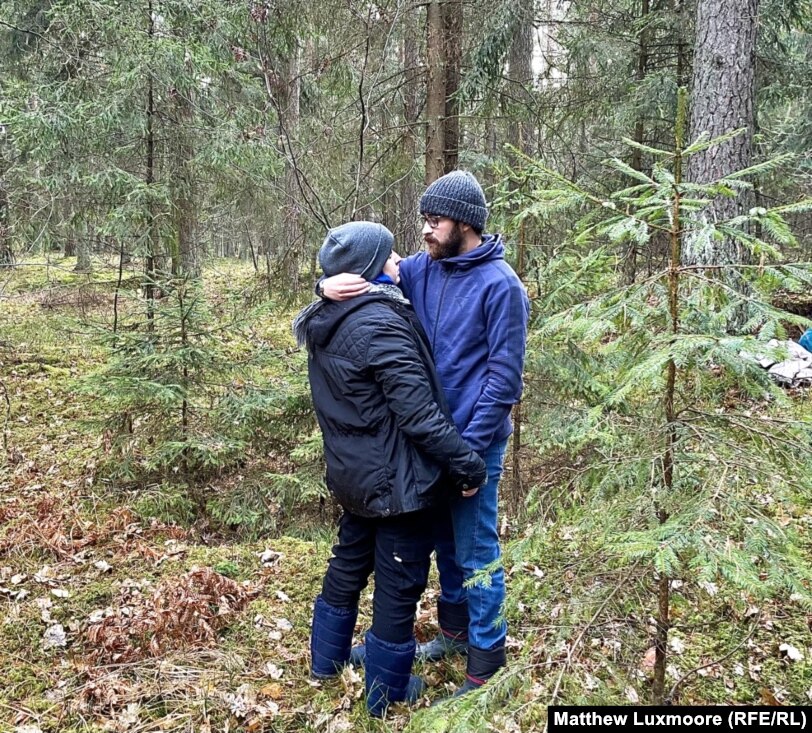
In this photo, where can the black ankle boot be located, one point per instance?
(453, 636)
(482, 665)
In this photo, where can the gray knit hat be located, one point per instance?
(359, 247)
(458, 196)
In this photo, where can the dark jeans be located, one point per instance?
(397, 549)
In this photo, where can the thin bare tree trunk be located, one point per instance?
(668, 460)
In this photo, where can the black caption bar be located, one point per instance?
(567, 718)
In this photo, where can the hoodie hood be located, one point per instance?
(492, 248)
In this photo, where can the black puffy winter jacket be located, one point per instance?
(388, 440)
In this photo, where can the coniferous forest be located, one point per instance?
(168, 172)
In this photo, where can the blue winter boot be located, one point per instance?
(330, 639)
(452, 639)
(388, 674)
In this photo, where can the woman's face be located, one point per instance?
(392, 267)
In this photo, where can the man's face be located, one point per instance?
(443, 236)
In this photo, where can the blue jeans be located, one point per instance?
(466, 541)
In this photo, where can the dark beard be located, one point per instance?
(450, 248)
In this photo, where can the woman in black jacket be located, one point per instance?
(391, 450)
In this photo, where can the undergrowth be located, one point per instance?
(82, 550)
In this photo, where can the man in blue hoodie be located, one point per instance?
(475, 311)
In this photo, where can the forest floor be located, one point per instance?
(114, 616)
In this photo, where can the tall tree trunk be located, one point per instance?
(722, 99)
(519, 92)
(83, 251)
(292, 234)
(186, 258)
(6, 253)
(520, 77)
(69, 224)
(283, 87)
(435, 92)
(125, 256)
(150, 262)
(410, 58)
(452, 30)
(188, 261)
(630, 262)
(678, 7)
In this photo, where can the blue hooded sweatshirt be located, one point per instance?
(474, 310)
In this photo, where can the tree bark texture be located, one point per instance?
(452, 31)
(410, 61)
(435, 93)
(722, 99)
(520, 76)
(83, 263)
(630, 261)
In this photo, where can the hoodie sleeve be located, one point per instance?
(393, 357)
(507, 311)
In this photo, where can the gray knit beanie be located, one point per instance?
(458, 196)
(359, 247)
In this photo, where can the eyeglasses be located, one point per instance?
(432, 221)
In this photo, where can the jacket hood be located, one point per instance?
(317, 322)
(492, 248)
